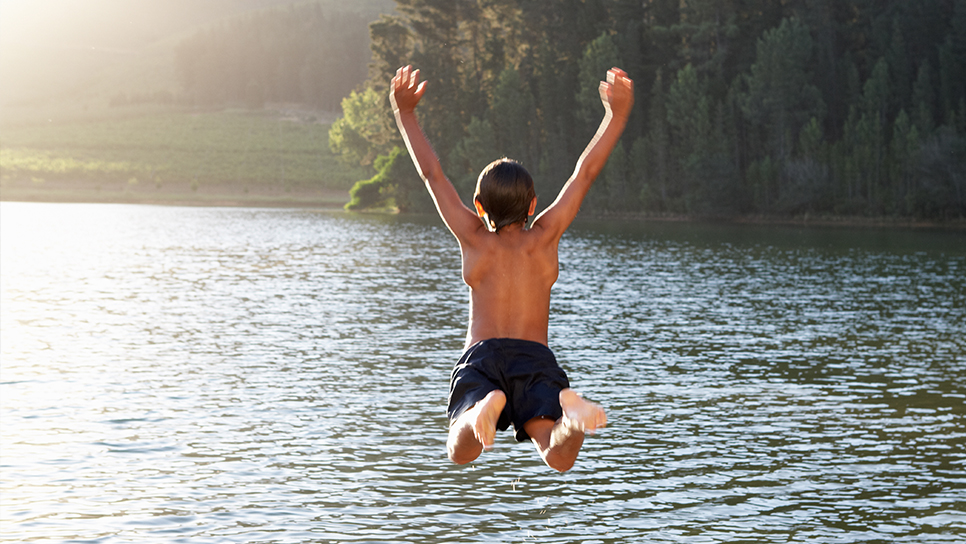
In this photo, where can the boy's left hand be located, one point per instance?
(617, 93)
(405, 90)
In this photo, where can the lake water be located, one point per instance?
(265, 375)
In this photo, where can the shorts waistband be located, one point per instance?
(508, 343)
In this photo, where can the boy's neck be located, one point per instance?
(513, 227)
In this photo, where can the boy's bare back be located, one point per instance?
(510, 274)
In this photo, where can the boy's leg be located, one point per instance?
(558, 442)
(475, 428)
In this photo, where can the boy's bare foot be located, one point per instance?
(484, 415)
(581, 414)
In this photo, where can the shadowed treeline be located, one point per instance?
(747, 108)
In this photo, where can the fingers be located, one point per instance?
(616, 76)
(615, 73)
(617, 91)
(395, 83)
(401, 79)
(606, 90)
(407, 78)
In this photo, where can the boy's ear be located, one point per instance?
(479, 207)
(533, 206)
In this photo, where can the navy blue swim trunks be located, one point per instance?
(527, 372)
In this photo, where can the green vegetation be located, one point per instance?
(38, 166)
(394, 187)
(234, 151)
(365, 129)
(800, 107)
(376, 193)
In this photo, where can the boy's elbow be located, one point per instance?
(585, 175)
(433, 174)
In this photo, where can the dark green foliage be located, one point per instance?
(751, 107)
(395, 185)
(599, 56)
(377, 192)
(370, 193)
(511, 114)
(472, 154)
(939, 189)
(780, 97)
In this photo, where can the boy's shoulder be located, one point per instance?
(524, 243)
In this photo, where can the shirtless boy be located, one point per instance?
(507, 374)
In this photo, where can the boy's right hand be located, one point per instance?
(617, 93)
(405, 90)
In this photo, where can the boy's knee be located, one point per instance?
(459, 452)
(461, 457)
(559, 463)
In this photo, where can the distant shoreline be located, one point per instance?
(332, 199)
(805, 220)
(176, 195)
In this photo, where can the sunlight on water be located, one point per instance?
(255, 375)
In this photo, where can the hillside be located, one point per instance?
(61, 53)
(95, 106)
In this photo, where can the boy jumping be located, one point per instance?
(507, 374)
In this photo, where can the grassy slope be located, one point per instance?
(226, 154)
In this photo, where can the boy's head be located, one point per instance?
(504, 194)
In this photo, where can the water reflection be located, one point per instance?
(231, 375)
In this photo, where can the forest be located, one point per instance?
(743, 107)
(305, 54)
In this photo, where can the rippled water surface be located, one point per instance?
(260, 375)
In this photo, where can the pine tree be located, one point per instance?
(690, 122)
(923, 100)
(511, 113)
(904, 156)
(391, 45)
(874, 121)
(657, 144)
(468, 158)
(780, 96)
(599, 56)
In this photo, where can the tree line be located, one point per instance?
(745, 107)
(308, 54)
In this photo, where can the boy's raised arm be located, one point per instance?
(617, 95)
(405, 93)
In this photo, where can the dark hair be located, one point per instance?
(505, 190)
